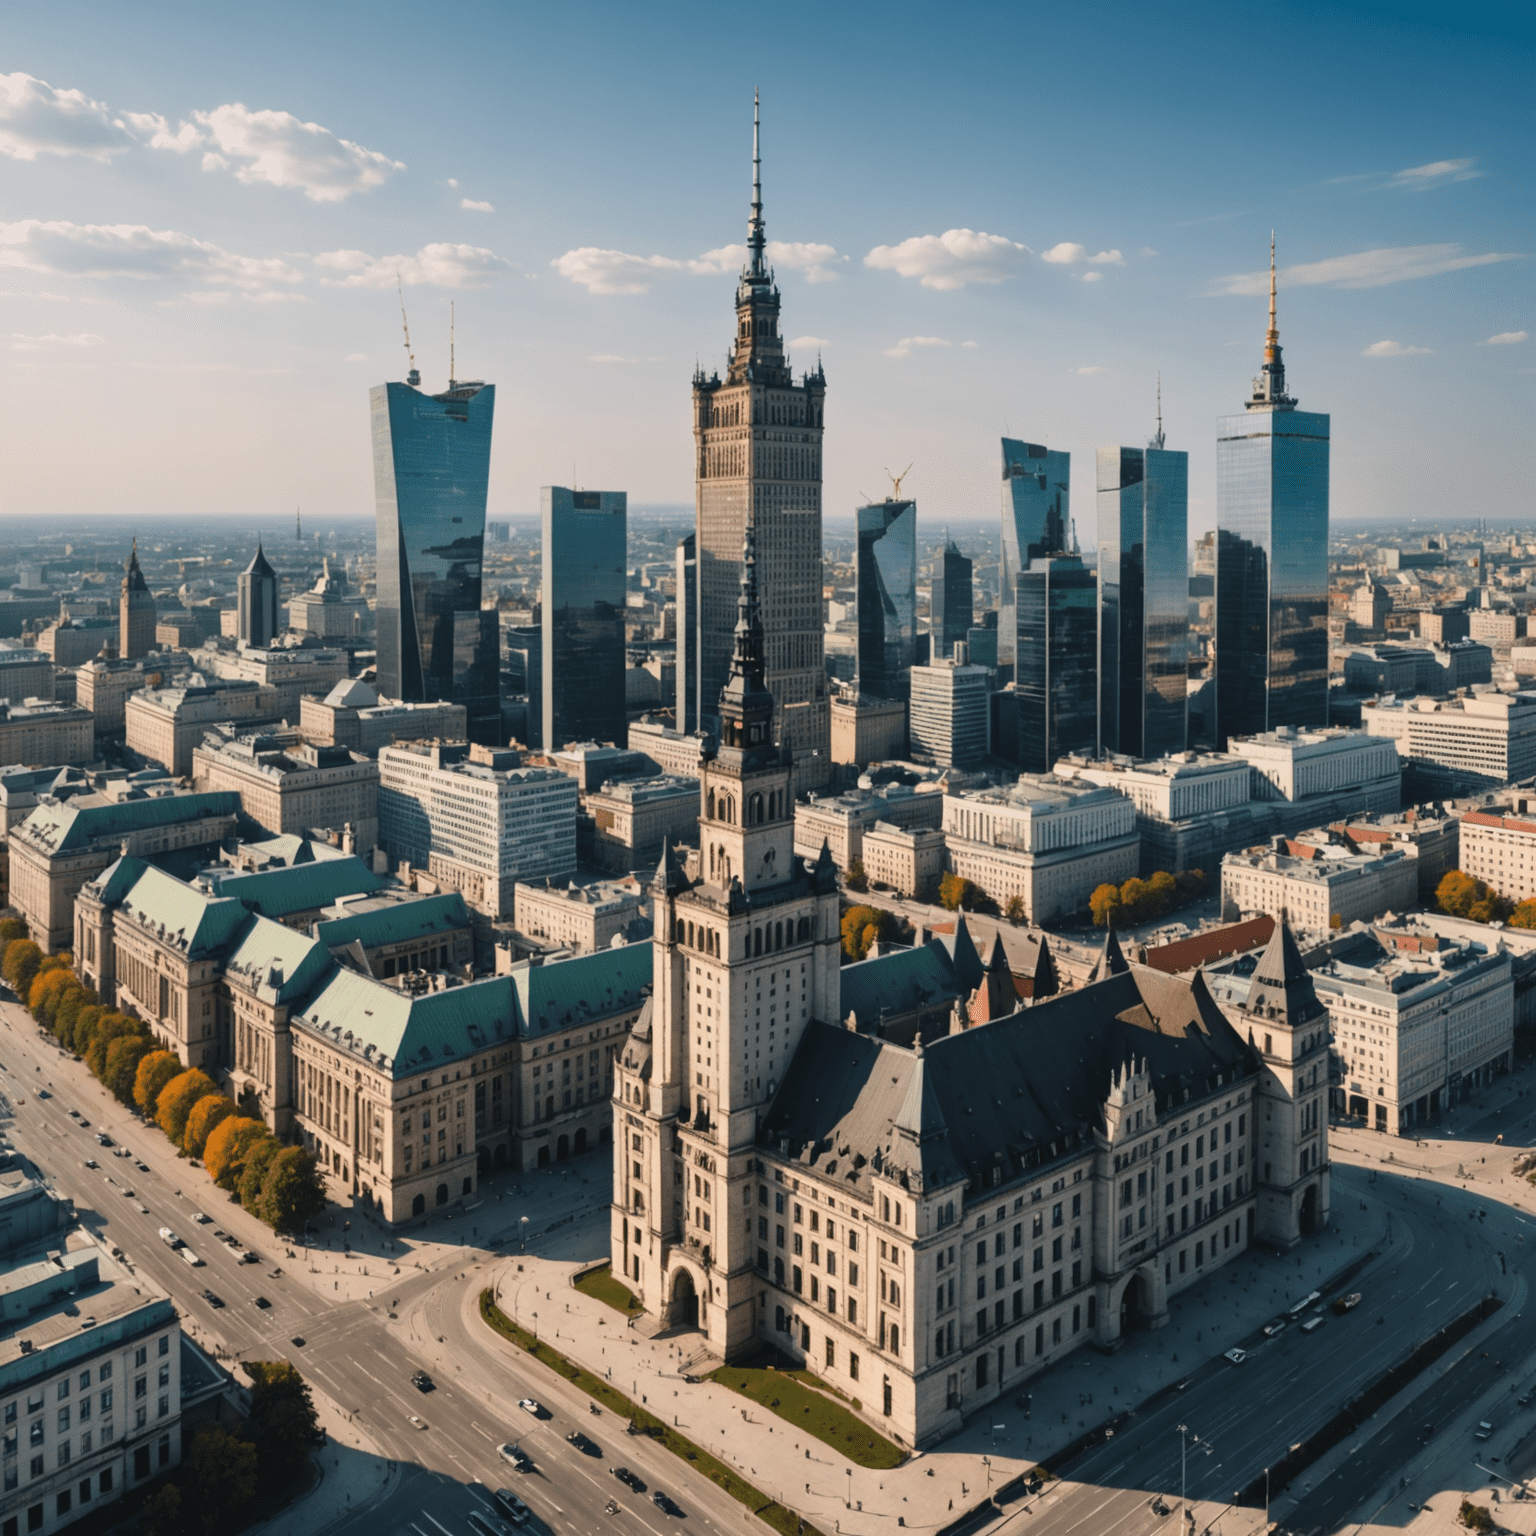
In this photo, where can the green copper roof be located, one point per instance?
(397, 923)
(58, 828)
(278, 962)
(190, 919)
(567, 993)
(301, 888)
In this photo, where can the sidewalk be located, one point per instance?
(932, 1487)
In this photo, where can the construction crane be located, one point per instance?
(896, 482)
(414, 376)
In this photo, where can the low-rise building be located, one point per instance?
(352, 715)
(1498, 626)
(36, 732)
(474, 820)
(1430, 836)
(1296, 765)
(910, 860)
(868, 730)
(1498, 845)
(166, 725)
(1456, 746)
(25, 674)
(841, 821)
(583, 917)
(678, 753)
(104, 685)
(629, 820)
(287, 785)
(1418, 1021)
(291, 670)
(592, 763)
(73, 641)
(398, 935)
(1047, 839)
(1318, 881)
(330, 610)
(1436, 669)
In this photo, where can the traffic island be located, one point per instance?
(770, 1511)
(809, 1409)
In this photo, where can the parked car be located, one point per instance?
(1312, 1324)
(1274, 1328)
(1236, 1356)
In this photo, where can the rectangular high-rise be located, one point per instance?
(687, 602)
(1056, 674)
(1143, 575)
(951, 609)
(885, 564)
(431, 466)
(1271, 558)
(948, 720)
(585, 546)
(1037, 485)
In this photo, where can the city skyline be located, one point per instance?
(588, 261)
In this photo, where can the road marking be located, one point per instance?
(438, 1523)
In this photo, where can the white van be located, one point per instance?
(190, 1257)
(169, 1238)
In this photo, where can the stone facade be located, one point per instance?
(25, 674)
(1318, 881)
(868, 730)
(166, 725)
(352, 715)
(46, 733)
(907, 859)
(630, 820)
(581, 918)
(842, 821)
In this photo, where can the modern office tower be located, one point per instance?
(257, 601)
(1271, 557)
(1056, 674)
(431, 463)
(948, 717)
(523, 653)
(135, 611)
(950, 609)
(687, 600)
(1143, 599)
(1036, 498)
(886, 572)
(758, 446)
(585, 544)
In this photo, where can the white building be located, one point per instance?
(1418, 1021)
(910, 860)
(842, 821)
(947, 716)
(1046, 839)
(474, 820)
(1318, 881)
(582, 918)
(1481, 740)
(1291, 764)
(674, 752)
(1498, 845)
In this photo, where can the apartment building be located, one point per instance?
(868, 730)
(1318, 881)
(629, 820)
(909, 860)
(166, 725)
(1458, 746)
(25, 674)
(352, 715)
(843, 821)
(583, 918)
(38, 733)
(1498, 845)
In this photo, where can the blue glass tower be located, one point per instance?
(1143, 496)
(951, 611)
(585, 546)
(1055, 682)
(886, 568)
(1271, 557)
(431, 466)
(1036, 500)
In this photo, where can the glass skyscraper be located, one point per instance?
(1036, 501)
(1055, 678)
(585, 550)
(1271, 557)
(950, 610)
(1143, 496)
(886, 570)
(431, 465)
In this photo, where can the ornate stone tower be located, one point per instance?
(744, 957)
(135, 611)
(257, 588)
(757, 436)
(1287, 1025)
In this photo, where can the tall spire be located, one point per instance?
(1158, 441)
(746, 705)
(1272, 336)
(1269, 387)
(755, 238)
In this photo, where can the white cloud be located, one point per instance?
(810, 341)
(1089, 371)
(805, 256)
(357, 357)
(1146, 250)
(1435, 174)
(453, 181)
(476, 207)
(156, 132)
(1505, 339)
(953, 259)
(600, 270)
(37, 343)
(970, 344)
(1365, 269)
(38, 119)
(1393, 349)
(1069, 252)
(133, 250)
(441, 265)
(904, 347)
(1092, 277)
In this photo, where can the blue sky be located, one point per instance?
(987, 218)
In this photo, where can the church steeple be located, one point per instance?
(746, 705)
(756, 241)
(1269, 387)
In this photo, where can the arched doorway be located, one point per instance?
(544, 1155)
(442, 1194)
(501, 1155)
(581, 1141)
(685, 1300)
(419, 1206)
(563, 1148)
(1136, 1305)
(1309, 1209)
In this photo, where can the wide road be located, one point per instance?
(351, 1350)
(1442, 1257)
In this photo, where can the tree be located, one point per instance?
(862, 926)
(292, 1190)
(958, 894)
(47, 987)
(67, 1015)
(1014, 911)
(161, 1514)
(1162, 893)
(257, 1160)
(22, 958)
(856, 879)
(86, 1022)
(121, 1068)
(1191, 883)
(155, 1071)
(1475, 1516)
(1456, 893)
(223, 1475)
(282, 1421)
(110, 1027)
(228, 1147)
(1104, 904)
(176, 1101)
(11, 929)
(1524, 915)
(203, 1121)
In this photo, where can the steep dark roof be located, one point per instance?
(259, 565)
(1111, 961)
(1282, 983)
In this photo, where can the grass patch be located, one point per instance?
(807, 1409)
(601, 1286)
(770, 1511)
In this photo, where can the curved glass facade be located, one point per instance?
(887, 588)
(431, 465)
(1036, 510)
(951, 610)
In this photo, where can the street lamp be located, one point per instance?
(1266, 1498)
(1183, 1502)
(848, 1502)
(986, 1461)
(522, 1236)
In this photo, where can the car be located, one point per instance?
(297, 1341)
(43, 1093)
(515, 1456)
(141, 1208)
(1484, 1431)
(1343, 1304)
(1427, 1432)
(422, 1382)
(103, 1139)
(1526, 1399)
(250, 1257)
(91, 1162)
(128, 1194)
(263, 1303)
(214, 1300)
(85, 1124)
(189, 1258)
(585, 1446)
(1274, 1328)
(201, 1219)
(533, 1406)
(512, 1506)
(1236, 1356)
(170, 1239)
(664, 1503)
(1312, 1324)
(416, 1421)
(628, 1478)
(142, 1167)
(486, 1524)
(74, 1114)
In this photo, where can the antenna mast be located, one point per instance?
(298, 526)
(452, 366)
(896, 482)
(414, 376)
